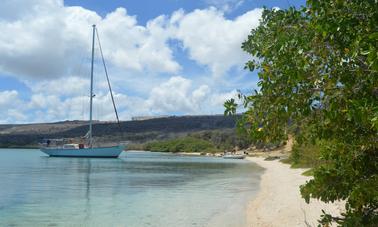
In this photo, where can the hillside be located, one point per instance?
(20, 135)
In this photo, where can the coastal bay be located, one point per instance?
(137, 189)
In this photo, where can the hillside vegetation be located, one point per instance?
(209, 141)
(184, 144)
(137, 132)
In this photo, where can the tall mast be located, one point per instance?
(91, 93)
(107, 78)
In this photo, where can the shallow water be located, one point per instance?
(137, 189)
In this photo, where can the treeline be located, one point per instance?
(184, 144)
(208, 141)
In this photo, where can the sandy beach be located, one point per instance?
(279, 202)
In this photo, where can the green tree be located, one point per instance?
(318, 72)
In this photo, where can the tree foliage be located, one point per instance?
(185, 144)
(318, 72)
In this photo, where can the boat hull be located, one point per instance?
(95, 152)
(234, 156)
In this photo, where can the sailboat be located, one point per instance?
(58, 147)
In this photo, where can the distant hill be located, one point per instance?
(28, 135)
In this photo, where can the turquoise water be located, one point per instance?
(137, 189)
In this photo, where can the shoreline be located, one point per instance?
(279, 203)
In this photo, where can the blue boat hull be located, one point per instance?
(95, 152)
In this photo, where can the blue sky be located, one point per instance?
(147, 9)
(165, 57)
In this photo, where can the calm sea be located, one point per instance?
(137, 189)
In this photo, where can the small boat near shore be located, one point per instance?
(234, 156)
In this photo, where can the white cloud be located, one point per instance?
(176, 95)
(32, 46)
(225, 5)
(137, 47)
(8, 99)
(173, 95)
(48, 108)
(11, 107)
(220, 98)
(179, 95)
(213, 40)
(68, 86)
(15, 116)
(199, 95)
(46, 45)
(13, 10)
(49, 40)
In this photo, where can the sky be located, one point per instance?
(164, 57)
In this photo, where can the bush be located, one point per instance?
(305, 155)
(185, 144)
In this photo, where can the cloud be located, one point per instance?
(214, 41)
(220, 98)
(48, 108)
(8, 99)
(49, 40)
(13, 10)
(173, 95)
(225, 5)
(177, 95)
(68, 86)
(137, 47)
(11, 107)
(46, 45)
(180, 96)
(31, 46)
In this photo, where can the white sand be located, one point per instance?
(279, 202)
